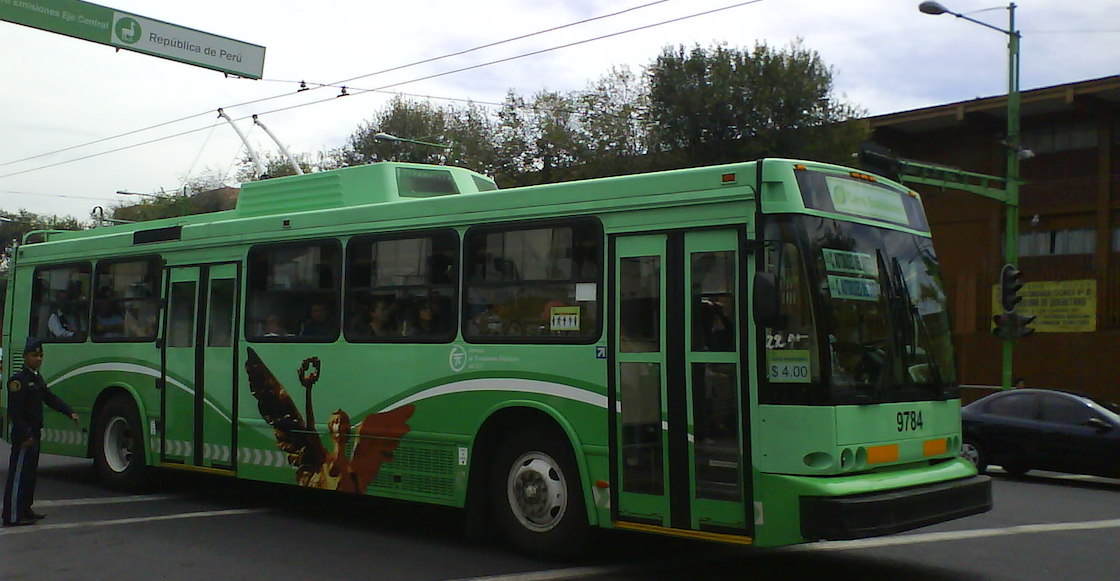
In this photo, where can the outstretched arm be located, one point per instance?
(58, 405)
(308, 380)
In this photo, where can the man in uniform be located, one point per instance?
(27, 392)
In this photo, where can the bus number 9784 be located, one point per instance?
(909, 421)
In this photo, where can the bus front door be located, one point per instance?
(199, 372)
(679, 436)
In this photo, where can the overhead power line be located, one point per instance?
(337, 83)
(44, 195)
(385, 87)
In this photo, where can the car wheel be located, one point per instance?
(973, 452)
(118, 455)
(538, 501)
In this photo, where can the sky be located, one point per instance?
(65, 102)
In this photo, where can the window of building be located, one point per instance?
(1058, 242)
(402, 288)
(1061, 137)
(126, 303)
(60, 303)
(533, 283)
(293, 292)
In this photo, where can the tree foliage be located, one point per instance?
(14, 225)
(720, 104)
(689, 107)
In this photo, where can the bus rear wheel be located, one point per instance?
(538, 501)
(118, 455)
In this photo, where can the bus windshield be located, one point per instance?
(863, 313)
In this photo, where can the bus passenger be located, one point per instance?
(60, 324)
(425, 322)
(319, 323)
(381, 320)
(140, 319)
(108, 321)
(273, 327)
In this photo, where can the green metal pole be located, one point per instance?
(1011, 206)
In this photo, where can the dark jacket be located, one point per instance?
(27, 392)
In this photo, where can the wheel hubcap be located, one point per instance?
(118, 444)
(970, 453)
(537, 492)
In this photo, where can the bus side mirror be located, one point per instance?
(766, 299)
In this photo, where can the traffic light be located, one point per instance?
(1009, 324)
(1012, 325)
(1010, 283)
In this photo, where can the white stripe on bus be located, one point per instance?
(138, 369)
(511, 384)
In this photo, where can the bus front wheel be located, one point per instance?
(119, 445)
(538, 501)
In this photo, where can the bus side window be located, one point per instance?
(533, 282)
(402, 287)
(126, 304)
(298, 283)
(60, 303)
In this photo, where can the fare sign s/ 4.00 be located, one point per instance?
(136, 33)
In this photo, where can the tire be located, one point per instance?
(537, 497)
(1015, 468)
(118, 447)
(973, 452)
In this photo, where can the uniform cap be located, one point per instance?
(33, 345)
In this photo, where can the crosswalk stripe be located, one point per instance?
(42, 528)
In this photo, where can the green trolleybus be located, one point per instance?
(754, 353)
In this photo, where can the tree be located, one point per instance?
(462, 136)
(724, 104)
(612, 124)
(14, 225)
(539, 140)
(276, 165)
(416, 120)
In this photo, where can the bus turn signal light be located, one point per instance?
(935, 447)
(882, 454)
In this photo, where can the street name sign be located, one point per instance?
(128, 31)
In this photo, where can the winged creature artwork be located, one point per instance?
(378, 435)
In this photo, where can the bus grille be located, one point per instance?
(418, 471)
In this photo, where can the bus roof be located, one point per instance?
(394, 194)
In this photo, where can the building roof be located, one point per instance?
(1103, 93)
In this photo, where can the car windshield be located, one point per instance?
(868, 307)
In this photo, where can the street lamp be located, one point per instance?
(381, 136)
(1014, 150)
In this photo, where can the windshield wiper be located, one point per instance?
(914, 321)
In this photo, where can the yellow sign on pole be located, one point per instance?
(1066, 306)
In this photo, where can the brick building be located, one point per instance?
(1069, 229)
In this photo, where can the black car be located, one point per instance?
(1024, 429)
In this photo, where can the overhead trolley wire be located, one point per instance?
(383, 88)
(335, 84)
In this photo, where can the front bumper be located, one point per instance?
(882, 513)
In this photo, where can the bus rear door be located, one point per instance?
(199, 371)
(678, 387)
